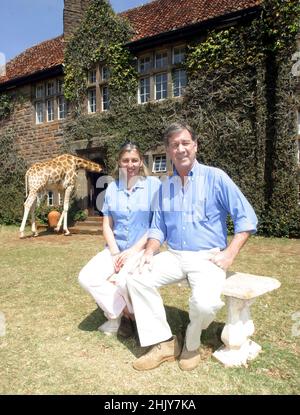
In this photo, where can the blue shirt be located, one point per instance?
(131, 211)
(193, 217)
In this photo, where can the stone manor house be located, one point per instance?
(162, 30)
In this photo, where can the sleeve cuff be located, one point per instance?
(245, 226)
(156, 234)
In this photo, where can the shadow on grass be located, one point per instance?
(178, 320)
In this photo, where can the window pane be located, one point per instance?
(104, 73)
(144, 64)
(62, 108)
(159, 164)
(179, 82)
(144, 90)
(105, 98)
(39, 91)
(50, 88)
(92, 76)
(161, 85)
(60, 86)
(161, 59)
(50, 110)
(178, 54)
(50, 199)
(92, 100)
(39, 114)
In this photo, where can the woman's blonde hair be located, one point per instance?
(130, 146)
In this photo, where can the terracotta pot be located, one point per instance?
(53, 218)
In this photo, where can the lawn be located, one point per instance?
(51, 344)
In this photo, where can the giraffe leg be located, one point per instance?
(33, 224)
(64, 215)
(57, 228)
(27, 206)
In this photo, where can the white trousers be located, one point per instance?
(110, 297)
(206, 281)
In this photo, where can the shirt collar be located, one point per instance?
(139, 184)
(193, 172)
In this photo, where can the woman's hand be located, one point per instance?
(120, 259)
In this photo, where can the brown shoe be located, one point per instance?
(189, 360)
(159, 353)
(126, 328)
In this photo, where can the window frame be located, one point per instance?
(163, 160)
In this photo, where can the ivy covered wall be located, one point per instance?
(240, 100)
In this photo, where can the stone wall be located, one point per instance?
(73, 13)
(36, 142)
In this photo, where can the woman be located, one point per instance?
(127, 211)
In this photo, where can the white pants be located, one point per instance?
(110, 297)
(206, 281)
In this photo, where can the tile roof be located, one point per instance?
(148, 20)
(160, 16)
(43, 56)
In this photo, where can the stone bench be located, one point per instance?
(240, 291)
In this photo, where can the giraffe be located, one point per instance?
(58, 173)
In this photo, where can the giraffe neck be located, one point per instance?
(87, 165)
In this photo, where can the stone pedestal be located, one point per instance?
(240, 291)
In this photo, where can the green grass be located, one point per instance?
(52, 346)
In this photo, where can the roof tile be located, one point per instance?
(148, 20)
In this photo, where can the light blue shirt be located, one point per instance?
(193, 217)
(132, 211)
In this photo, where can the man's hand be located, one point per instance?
(146, 261)
(223, 259)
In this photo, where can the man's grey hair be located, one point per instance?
(175, 128)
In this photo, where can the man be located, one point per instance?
(191, 217)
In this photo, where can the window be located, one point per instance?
(61, 108)
(178, 54)
(60, 86)
(39, 112)
(50, 88)
(39, 91)
(50, 110)
(92, 76)
(161, 59)
(105, 98)
(92, 100)
(105, 73)
(48, 101)
(144, 64)
(298, 120)
(179, 82)
(50, 199)
(298, 151)
(159, 164)
(144, 90)
(161, 85)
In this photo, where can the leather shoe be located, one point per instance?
(159, 353)
(189, 360)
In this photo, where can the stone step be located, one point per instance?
(88, 230)
(94, 219)
(94, 224)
